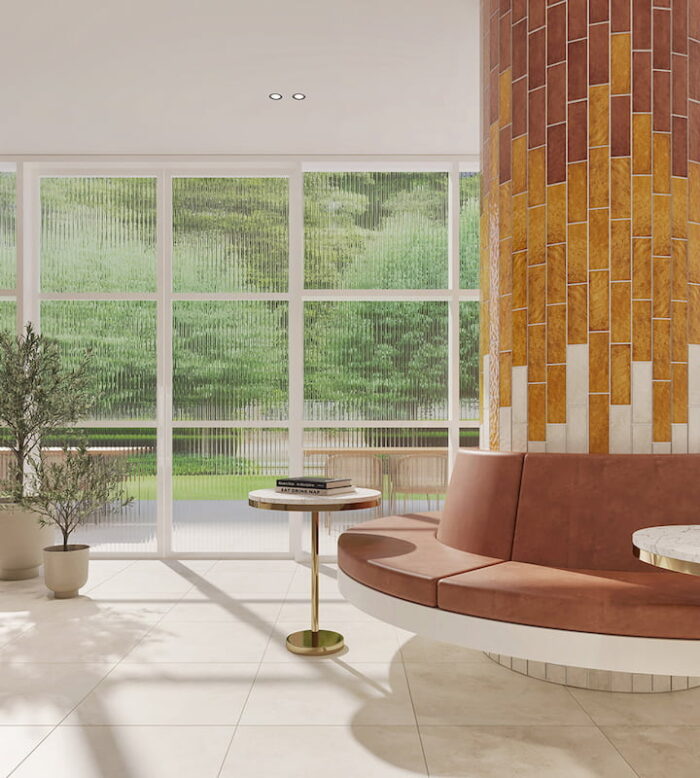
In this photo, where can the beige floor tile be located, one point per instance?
(168, 694)
(248, 608)
(419, 649)
(148, 607)
(659, 752)
(36, 694)
(189, 641)
(528, 752)
(16, 743)
(128, 752)
(485, 693)
(297, 607)
(341, 752)
(329, 692)
(249, 576)
(328, 584)
(101, 570)
(672, 708)
(148, 575)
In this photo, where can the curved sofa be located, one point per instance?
(540, 541)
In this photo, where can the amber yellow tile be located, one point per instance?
(679, 273)
(520, 337)
(621, 188)
(621, 312)
(694, 253)
(520, 222)
(536, 294)
(641, 143)
(641, 268)
(556, 273)
(556, 334)
(519, 164)
(662, 163)
(484, 318)
(620, 384)
(504, 379)
(599, 237)
(506, 322)
(537, 234)
(679, 331)
(556, 213)
(577, 264)
(694, 191)
(520, 279)
(661, 270)
(598, 423)
(599, 177)
(536, 413)
(578, 191)
(598, 115)
(598, 300)
(679, 208)
(536, 177)
(620, 240)
(641, 330)
(577, 319)
(536, 352)
(505, 210)
(693, 313)
(641, 205)
(661, 239)
(556, 394)
(598, 362)
(505, 266)
(661, 357)
(621, 63)
(679, 393)
(661, 398)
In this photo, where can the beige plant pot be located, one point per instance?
(22, 539)
(65, 572)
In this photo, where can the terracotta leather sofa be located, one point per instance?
(543, 540)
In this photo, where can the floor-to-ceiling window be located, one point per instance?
(245, 323)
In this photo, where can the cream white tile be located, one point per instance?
(656, 752)
(679, 438)
(344, 752)
(519, 394)
(327, 583)
(189, 641)
(250, 576)
(420, 649)
(620, 429)
(577, 375)
(147, 607)
(329, 692)
(611, 708)
(129, 752)
(641, 438)
(476, 693)
(642, 392)
(528, 752)
(168, 694)
(148, 575)
(694, 374)
(101, 570)
(18, 742)
(220, 606)
(35, 694)
(556, 438)
(297, 607)
(505, 428)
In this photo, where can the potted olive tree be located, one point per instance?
(82, 487)
(37, 394)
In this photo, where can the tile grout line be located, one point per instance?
(413, 706)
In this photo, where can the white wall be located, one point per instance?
(179, 77)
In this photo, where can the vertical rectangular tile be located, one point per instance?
(598, 53)
(679, 394)
(599, 300)
(577, 323)
(620, 188)
(661, 333)
(599, 178)
(599, 362)
(620, 119)
(577, 265)
(620, 429)
(662, 411)
(641, 393)
(641, 330)
(620, 374)
(598, 115)
(598, 424)
(536, 412)
(620, 240)
(621, 64)
(599, 237)
(577, 192)
(621, 312)
(556, 334)
(556, 273)
(556, 394)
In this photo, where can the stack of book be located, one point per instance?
(313, 485)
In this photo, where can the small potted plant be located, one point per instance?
(82, 487)
(37, 394)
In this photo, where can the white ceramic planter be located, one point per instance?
(65, 572)
(22, 539)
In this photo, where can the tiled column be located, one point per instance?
(591, 225)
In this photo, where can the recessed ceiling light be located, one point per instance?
(275, 96)
(299, 96)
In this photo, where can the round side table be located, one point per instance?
(314, 641)
(675, 547)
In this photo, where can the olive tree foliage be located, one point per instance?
(37, 395)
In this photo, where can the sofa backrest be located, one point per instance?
(580, 510)
(481, 503)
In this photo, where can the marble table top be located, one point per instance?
(288, 501)
(679, 541)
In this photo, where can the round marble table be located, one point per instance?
(675, 547)
(314, 641)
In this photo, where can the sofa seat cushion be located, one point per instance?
(658, 603)
(400, 556)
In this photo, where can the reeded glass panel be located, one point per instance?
(469, 206)
(230, 360)
(230, 234)
(8, 237)
(98, 234)
(132, 528)
(469, 438)
(122, 337)
(8, 312)
(213, 471)
(375, 230)
(375, 360)
(409, 467)
(469, 359)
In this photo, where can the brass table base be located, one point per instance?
(319, 643)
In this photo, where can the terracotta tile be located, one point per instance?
(679, 84)
(537, 185)
(556, 394)
(598, 362)
(693, 253)
(641, 330)
(505, 373)
(578, 131)
(556, 154)
(661, 280)
(578, 19)
(679, 273)
(577, 266)
(620, 118)
(556, 94)
(694, 191)
(599, 238)
(621, 312)
(661, 80)
(556, 213)
(598, 424)
(641, 85)
(520, 222)
(598, 53)
(520, 337)
(661, 237)
(536, 58)
(519, 157)
(694, 313)
(679, 26)
(662, 163)
(519, 64)
(535, 13)
(537, 117)
(493, 96)
(694, 70)
(520, 98)
(577, 320)
(598, 11)
(641, 143)
(577, 192)
(556, 33)
(598, 115)
(694, 21)
(620, 15)
(556, 334)
(641, 264)
(662, 39)
(694, 132)
(620, 367)
(679, 393)
(661, 341)
(537, 238)
(661, 395)
(621, 63)
(578, 69)
(504, 40)
(504, 155)
(536, 352)
(641, 24)
(599, 177)
(641, 205)
(621, 188)
(505, 325)
(598, 300)
(536, 425)
(680, 146)
(620, 249)
(679, 332)
(536, 294)
(519, 10)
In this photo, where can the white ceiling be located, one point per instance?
(192, 76)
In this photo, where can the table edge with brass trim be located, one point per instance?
(666, 561)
